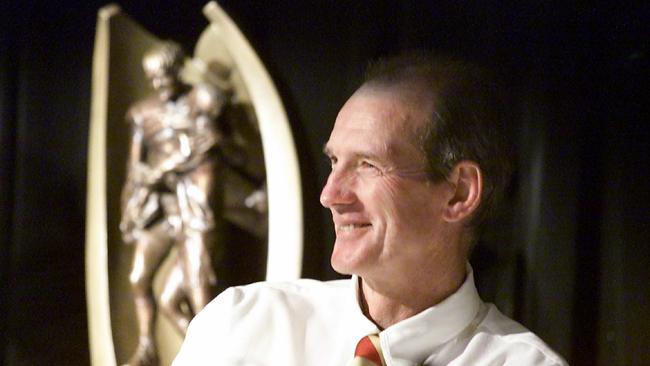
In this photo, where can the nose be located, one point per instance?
(338, 190)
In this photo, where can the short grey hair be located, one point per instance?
(468, 120)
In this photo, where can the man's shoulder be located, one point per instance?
(296, 287)
(514, 340)
(250, 322)
(251, 306)
(285, 293)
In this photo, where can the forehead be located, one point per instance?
(378, 121)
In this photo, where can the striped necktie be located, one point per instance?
(368, 352)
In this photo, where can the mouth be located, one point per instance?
(348, 228)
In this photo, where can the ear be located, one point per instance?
(467, 187)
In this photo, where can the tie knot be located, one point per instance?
(368, 352)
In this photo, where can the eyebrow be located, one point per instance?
(328, 152)
(413, 174)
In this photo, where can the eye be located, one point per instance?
(366, 164)
(369, 167)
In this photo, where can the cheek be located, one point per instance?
(409, 211)
(396, 204)
(387, 197)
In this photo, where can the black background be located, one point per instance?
(578, 219)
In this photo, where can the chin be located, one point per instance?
(344, 270)
(345, 265)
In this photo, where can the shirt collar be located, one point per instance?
(363, 326)
(414, 339)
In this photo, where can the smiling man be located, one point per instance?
(418, 163)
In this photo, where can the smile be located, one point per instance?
(348, 228)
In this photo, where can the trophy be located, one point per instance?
(193, 183)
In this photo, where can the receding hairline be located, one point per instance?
(415, 94)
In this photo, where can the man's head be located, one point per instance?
(161, 65)
(416, 165)
(467, 119)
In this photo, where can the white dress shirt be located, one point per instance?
(313, 323)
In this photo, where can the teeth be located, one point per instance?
(349, 227)
(346, 228)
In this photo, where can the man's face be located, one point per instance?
(386, 214)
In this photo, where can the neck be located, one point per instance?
(386, 306)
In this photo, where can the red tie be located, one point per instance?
(368, 352)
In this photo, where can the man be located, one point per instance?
(171, 194)
(417, 165)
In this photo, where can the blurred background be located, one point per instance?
(569, 258)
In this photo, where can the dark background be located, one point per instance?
(570, 257)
